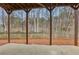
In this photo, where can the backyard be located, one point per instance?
(38, 26)
(35, 39)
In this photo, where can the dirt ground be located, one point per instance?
(58, 41)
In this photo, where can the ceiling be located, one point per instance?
(24, 6)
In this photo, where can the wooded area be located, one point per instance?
(37, 27)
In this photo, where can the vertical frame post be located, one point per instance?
(76, 29)
(26, 26)
(27, 13)
(9, 12)
(75, 7)
(50, 10)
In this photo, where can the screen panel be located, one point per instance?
(63, 25)
(18, 26)
(3, 26)
(78, 24)
(38, 26)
